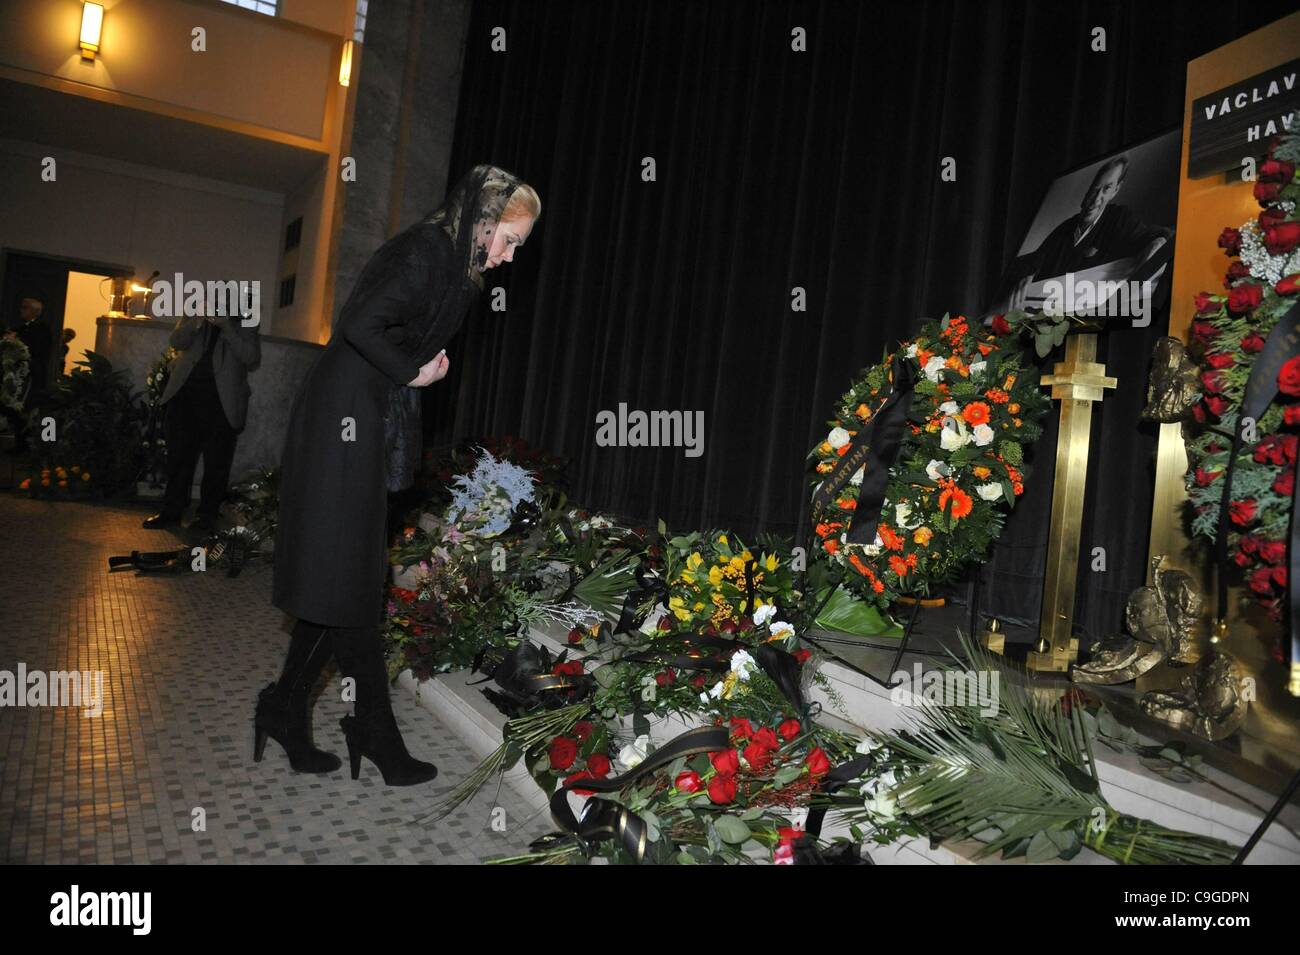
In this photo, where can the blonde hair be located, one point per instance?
(524, 203)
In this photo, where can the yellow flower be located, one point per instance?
(745, 558)
(770, 563)
(699, 605)
(922, 536)
(678, 607)
(722, 539)
(694, 560)
(715, 576)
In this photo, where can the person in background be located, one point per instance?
(35, 334)
(206, 401)
(68, 335)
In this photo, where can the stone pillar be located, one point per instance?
(403, 124)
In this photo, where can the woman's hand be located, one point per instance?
(435, 370)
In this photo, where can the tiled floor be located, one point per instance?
(183, 659)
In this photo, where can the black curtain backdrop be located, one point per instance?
(777, 170)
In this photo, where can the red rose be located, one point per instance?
(563, 751)
(1242, 512)
(688, 782)
(1279, 576)
(1244, 297)
(1287, 444)
(1282, 238)
(1237, 270)
(699, 682)
(767, 739)
(741, 727)
(722, 789)
(1220, 360)
(598, 765)
(576, 635)
(1275, 170)
(1267, 191)
(1217, 405)
(1248, 544)
(1205, 478)
(1230, 241)
(665, 623)
(582, 729)
(801, 655)
(1198, 413)
(1288, 285)
(1272, 552)
(1001, 326)
(667, 678)
(1288, 378)
(818, 762)
(1252, 343)
(1271, 217)
(788, 730)
(1261, 581)
(757, 756)
(1242, 560)
(725, 762)
(1205, 302)
(787, 834)
(1210, 382)
(577, 777)
(1285, 483)
(1291, 414)
(1204, 331)
(572, 668)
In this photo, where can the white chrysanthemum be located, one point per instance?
(933, 367)
(978, 368)
(763, 614)
(742, 664)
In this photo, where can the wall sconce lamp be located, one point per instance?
(92, 22)
(345, 65)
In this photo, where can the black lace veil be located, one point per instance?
(471, 212)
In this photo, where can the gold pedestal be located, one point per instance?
(1076, 382)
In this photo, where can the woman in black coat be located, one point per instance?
(354, 435)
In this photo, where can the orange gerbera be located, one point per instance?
(831, 546)
(847, 503)
(891, 540)
(898, 565)
(984, 348)
(860, 567)
(961, 502)
(976, 413)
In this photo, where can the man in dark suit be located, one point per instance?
(35, 334)
(207, 404)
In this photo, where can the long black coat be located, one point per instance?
(330, 547)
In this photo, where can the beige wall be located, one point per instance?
(256, 69)
(82, 306)
(110, 211)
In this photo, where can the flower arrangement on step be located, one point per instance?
(727, 793)
(154, 442)
(960, 406)
(1021, 781)
(15, 365)
(1229, 335)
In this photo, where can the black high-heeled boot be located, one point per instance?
(373, 731)
(283, 709)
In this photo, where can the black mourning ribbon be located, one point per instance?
(876, 446)
(525, 681)
(604, 819)
(153, 561)
(1283, 344)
